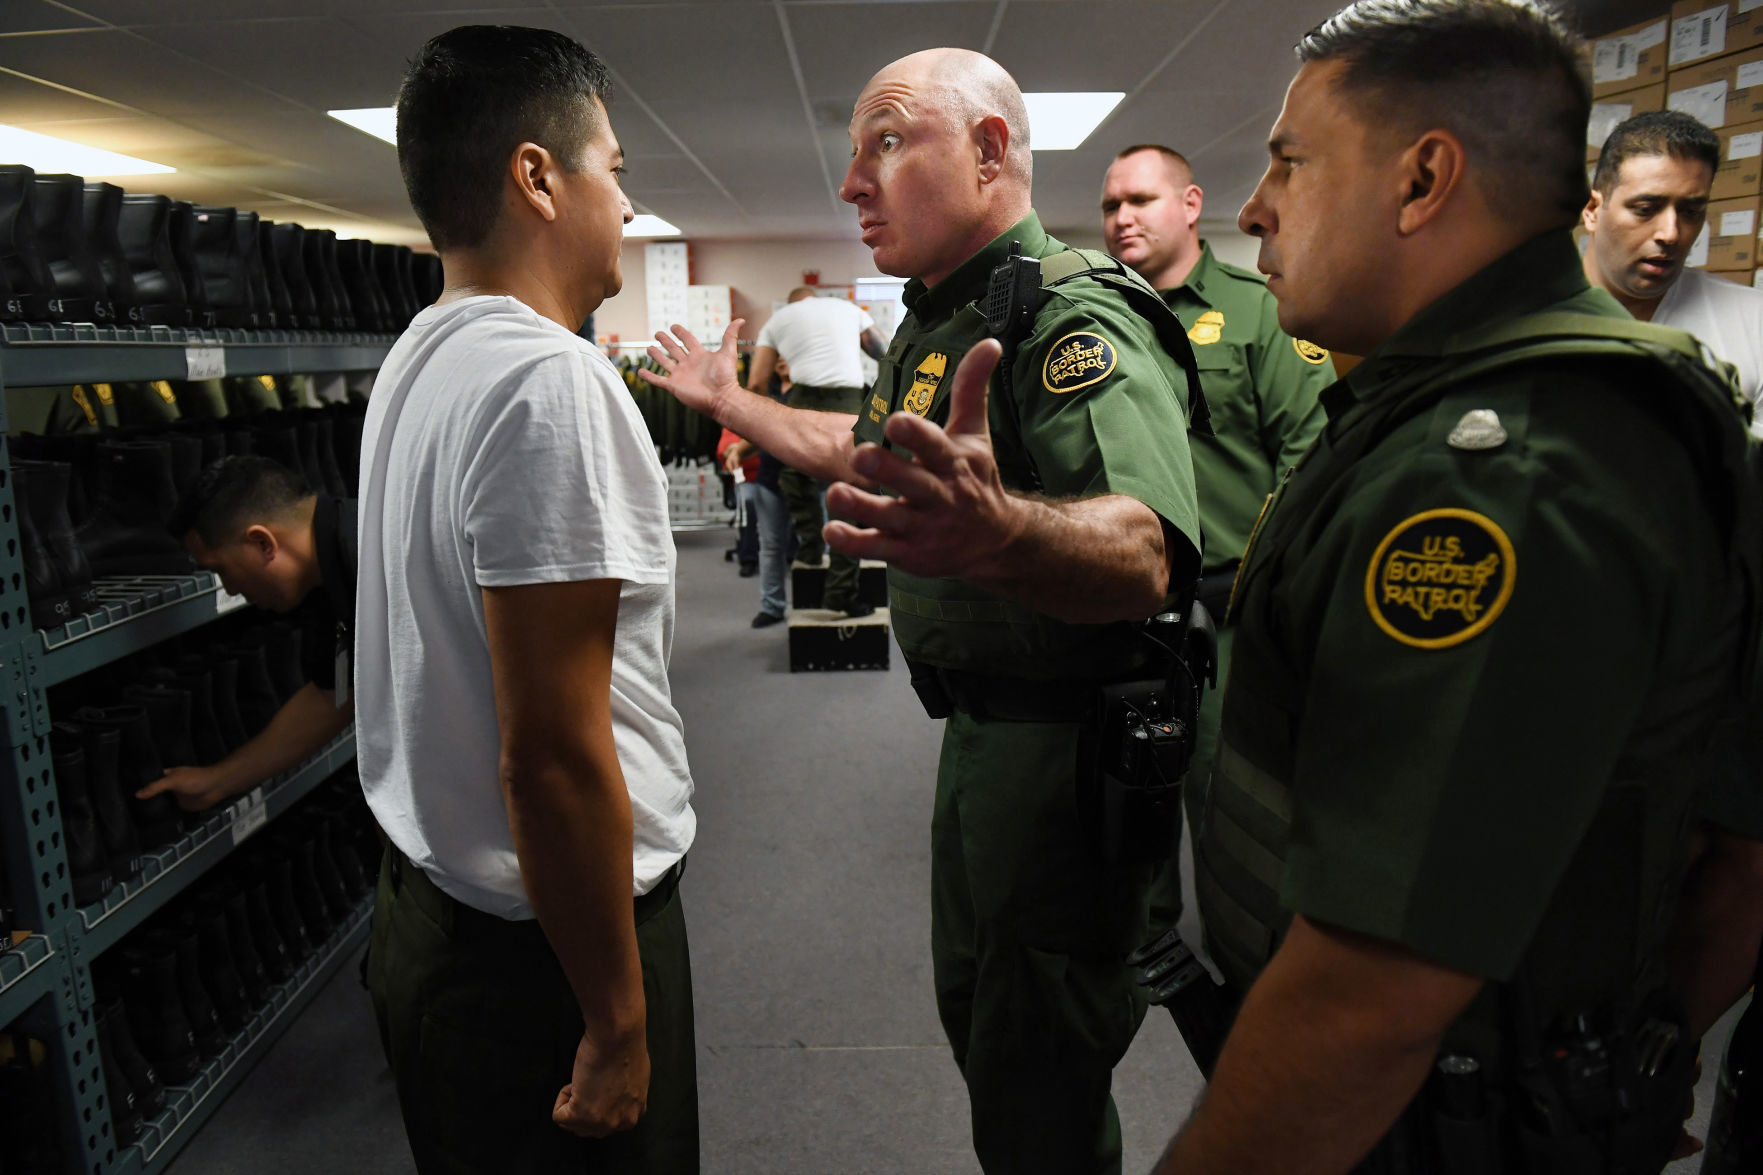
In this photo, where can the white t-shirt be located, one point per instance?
(1727, 317)
(821, 340)
(500, 449)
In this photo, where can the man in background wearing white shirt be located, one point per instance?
(1649, 202)
(515, 609)
(823, 341)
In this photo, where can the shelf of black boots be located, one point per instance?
(189, 1105)
(167, 871)
(23, 977)
(47, 354)
(129, 613)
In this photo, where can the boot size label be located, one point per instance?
(205, 362)
(251, 814)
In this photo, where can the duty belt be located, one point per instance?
(1001, 699)
(1214, 591)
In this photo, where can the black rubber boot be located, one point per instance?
(372, 309)
(309, 895)
(255, 694)
(346, 421)
(126, 1116)
(182, 227)
(144, 226)
(168, 711)
(281, 302)
(149, 1092)
(334, 310)
(389, 266)
(225, 278)
(138, 764)
(45, 590)
(224, 671)
(156, 1009)
(281, 654)
(80, 293)
(86, 859)
(275, 953)
(186, 458)
(290, 257)
(101, 209)
(328, 465)
(230, 904)
(220, 975)
(198, 1005)
(290, 922)
(102, 746)
(339, 903)
(246, 241)
(28, 284)
(204, 727)
(274, 436)
(126, 533)
(45, 489)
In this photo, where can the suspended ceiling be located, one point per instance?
(732, 113)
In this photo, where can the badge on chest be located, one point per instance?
(927, 377)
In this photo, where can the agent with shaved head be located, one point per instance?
(1028, 533)
(1261, 387)
(1476, 859)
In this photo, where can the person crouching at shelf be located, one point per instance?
(282, 545)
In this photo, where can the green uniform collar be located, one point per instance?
(1543, 272)
(1195, 283)
(967, 282)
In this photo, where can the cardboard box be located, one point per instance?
(1630, 58)
(1729, 241)
(1701, 29)
(1613, 109)
(1722, 92)
(1739, 277)
(1741, 162)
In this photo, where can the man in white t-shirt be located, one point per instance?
(823, 341)
(518, 742)
(1649, 203)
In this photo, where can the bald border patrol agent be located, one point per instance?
(1261, 390)
(1491, 632)
(1029, 534)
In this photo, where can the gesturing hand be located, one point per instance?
(698, 377)
(953, 513)
(608, 1088)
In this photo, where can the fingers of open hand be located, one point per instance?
(863, 509)
(910, 479)
(967, 398)
(933, 448)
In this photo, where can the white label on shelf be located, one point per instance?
(1654, 34)
(1698, 36)
(1746, 146)
(1615, 59)
(1738, 224)
(1706, 104)
(204, 362)
(1605, 118)
(225, 601)
(251, 814)
(1698, 254)
(1750, 75)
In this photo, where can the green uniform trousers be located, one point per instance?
(1166, 891)
(480, 1028)
(1028, 938)
(805, 497)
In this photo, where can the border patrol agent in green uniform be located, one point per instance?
(1013, 606)
(1488, 631)
(1261, 389)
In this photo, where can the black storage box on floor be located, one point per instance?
(808, 584)
(822, 640)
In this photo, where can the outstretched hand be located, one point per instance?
(953, 514)
(697, 376)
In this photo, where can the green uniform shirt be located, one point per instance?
(1480, 649)
(1100, 408)
(1261, 385)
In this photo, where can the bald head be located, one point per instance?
(965, 88)
(800, 292)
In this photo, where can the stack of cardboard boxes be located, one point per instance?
(1705, 59)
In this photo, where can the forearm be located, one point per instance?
(570, 814)
(1719, 929)
(817, 443)
(304, 724)
(1091, 561)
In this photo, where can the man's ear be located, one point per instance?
(1193, 201)
(992, 137)
(1588, 216)
(534, 171)
(262, 540)
(1432, 172)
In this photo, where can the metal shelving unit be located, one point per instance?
(45, 980)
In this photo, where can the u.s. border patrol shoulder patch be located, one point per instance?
(1078, 360)
(1440, 578)
(1310, 352)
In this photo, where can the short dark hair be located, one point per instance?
(234, 493)
(1170, 154)
(1658, 132)
(1507, 77)
(470, 97)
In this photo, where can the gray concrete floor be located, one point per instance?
(806, 898)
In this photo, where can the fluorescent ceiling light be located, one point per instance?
(379, 121)
(646, 225)
(51, 156)
(1061, 122)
